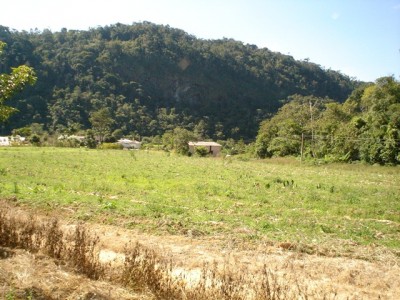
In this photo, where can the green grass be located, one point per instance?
(280, 199)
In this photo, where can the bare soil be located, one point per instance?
(339, 277)
(35, 276)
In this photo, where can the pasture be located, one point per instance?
(326, 209)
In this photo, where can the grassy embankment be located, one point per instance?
(274, 200)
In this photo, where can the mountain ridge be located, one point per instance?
(153, 78)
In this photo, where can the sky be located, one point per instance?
(360, 38)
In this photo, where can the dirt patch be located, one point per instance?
(213, 262)
(340, 277)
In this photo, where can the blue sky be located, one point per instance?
(360, 38)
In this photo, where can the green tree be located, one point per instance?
(90, 140)
(380, 138)
(181, 139)
(12, 83)
(282, 134)
(101, 123)
(163, 68)
(178, 140)
(366, 127)
(24, 131)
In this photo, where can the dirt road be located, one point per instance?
(24, 275)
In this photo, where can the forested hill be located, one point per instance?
(153, 78)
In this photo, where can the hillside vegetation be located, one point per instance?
(152, 79)
(364, 128)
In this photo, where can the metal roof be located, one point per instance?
(204, 144)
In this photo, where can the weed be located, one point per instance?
(270, 288)
(48, 236)
(288, 183)
(284, 182)
(3, 171)
(10, 294)
(53, 244)
(133, 154)
(326, 229)
(8, 231)
(109, 205)
(82, 254)
(354, 200)
(16, 188)
(29, 236)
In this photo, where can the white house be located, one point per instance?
(17, 139)
(129, 144)
(4, 141)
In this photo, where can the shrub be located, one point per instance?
(90, 140)
(35, 140)
(201, 151)
(110, 146)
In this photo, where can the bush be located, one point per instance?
(201, 151)
(110, 146)
(90, 140)
(35, 140)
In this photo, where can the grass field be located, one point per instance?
(276, 200)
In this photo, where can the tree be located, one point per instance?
(178, 140)
(90, 140)
(101, 123)
(380, 138)
(233, 84)
(366, 127)
(12, 83)
(282, 134)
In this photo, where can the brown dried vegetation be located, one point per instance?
(144, 273)
(144, 269)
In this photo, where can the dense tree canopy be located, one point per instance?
(154, 78)
(11, 84)
(365, 127)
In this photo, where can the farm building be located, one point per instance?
(17, 139)
(213, 148)
(4, 141)
(129, 144)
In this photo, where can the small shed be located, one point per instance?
(213, 148)
(129, 144)
(4, 141)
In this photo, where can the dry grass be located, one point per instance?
(144, 273)
(78, 250)
(24, 275)
(144, 269)
(40, 260)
